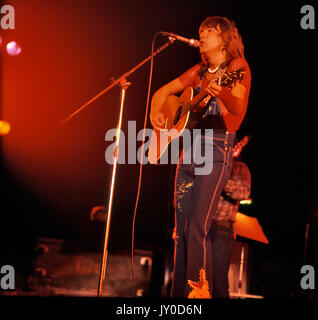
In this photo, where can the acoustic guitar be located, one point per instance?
(182, 113)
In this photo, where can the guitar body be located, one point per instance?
(160, 139)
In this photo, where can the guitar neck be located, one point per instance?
(198, 98)
(226, 81)
(190, 106)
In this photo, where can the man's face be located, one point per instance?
(210, 39)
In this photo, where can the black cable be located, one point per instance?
(141, 163)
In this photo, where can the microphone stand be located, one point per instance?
(124, 86)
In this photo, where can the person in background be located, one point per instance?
(237, 188)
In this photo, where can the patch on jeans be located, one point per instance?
(200, 289)
(182, 188)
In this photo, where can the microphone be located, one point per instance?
(191, 42)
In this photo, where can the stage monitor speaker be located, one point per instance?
(61, 268)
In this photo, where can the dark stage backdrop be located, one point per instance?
(53, 175)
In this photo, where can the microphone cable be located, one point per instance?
(141, 163)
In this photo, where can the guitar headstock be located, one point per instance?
(230, 77)
(240, 145)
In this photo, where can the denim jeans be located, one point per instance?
(196, 198)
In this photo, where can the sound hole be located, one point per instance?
(177, 115)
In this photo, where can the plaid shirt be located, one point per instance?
(238, 188)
